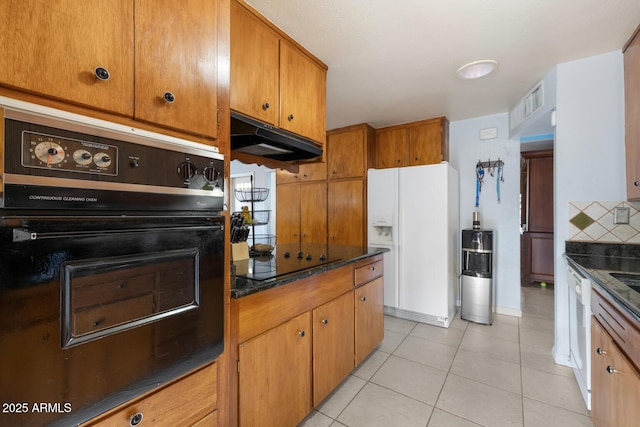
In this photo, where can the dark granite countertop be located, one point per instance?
(598, 260)
(291, 268)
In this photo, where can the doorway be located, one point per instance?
(536, 218)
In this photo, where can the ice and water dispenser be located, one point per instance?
(477, 274)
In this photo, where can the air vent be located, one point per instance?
(532, 102)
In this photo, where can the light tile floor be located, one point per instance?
(467, 375)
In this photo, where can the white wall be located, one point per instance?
(589, 158)
(465, 150)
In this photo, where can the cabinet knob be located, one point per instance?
(398, 160)
(363, 298)
(636, 183)
(102, 73)
(600, 351)
(372, 268)
(168, 97)
(325, 321)
(612, 370)
(136, 419)
(301, 333)
(265, 106)
(290, 117)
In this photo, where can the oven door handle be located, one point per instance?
(23, 235)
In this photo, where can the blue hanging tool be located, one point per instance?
(479, 178)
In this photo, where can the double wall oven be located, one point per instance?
(111, 264)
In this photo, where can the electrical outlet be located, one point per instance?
(489, 133)
(621, 215)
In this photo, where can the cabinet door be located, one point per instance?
(53, 48)
(603, 386)
(288, 213)
(302, 94)
(307, 172)
(333, 345)
(275, 375)
(346, 212)
(254, 66)
(176, 64)
(391, 148)
(369, 317)
(346, 154)
(425, 144)
(313, 213)
(632, 112)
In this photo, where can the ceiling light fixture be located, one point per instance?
(477, 69)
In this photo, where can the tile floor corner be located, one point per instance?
(466, 375)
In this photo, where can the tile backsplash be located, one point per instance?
(594, 222)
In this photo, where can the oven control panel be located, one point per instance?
(40, 150)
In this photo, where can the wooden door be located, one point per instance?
(425, 144)
(346, 154)
(632, 112)
(254, 66)
(302, 94)
(288, 213)
(275, 375)
(176, 64)
(629, 391)
(346, 212)
(369, 317)
(333, 345)
(54, 47)
(313, 213)
(391, 148)
(537, 261)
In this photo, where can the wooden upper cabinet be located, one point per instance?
(417, 143)
(53, 48)
(288, 217)
(254, 66)
(176, 64)
(274, 81)
(350, 151)
(632, 113)
(302, 94)
(316, 171)
(391, 147)
(313, 212)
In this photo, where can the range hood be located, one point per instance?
(259, 139)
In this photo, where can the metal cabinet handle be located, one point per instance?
(636, 183)
(325, 321)
(265, 106)
(301, 333)
(136, 419)
(102, 73)
(290, 117)
(600, 351)
(168, 97)
(363, 298)
(372, 268)
(612, 370)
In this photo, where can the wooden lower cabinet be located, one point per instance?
(275, 375)
(333, 345)
(369, 317)
(615, 383)
(191, 400)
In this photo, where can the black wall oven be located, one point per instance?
(111, 266)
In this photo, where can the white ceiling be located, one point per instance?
(393, 62)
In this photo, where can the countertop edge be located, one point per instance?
(622, 303)
(259, 286)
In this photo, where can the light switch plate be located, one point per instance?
(621, 215)
(489, 133)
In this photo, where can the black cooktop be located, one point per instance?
(285, 259)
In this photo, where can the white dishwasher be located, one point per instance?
(580, 330)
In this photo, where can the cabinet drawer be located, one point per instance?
(368, 272)
(623, 330)
(181, 403)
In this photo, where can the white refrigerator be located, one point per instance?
(413, 211)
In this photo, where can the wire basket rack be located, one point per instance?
(251, 194)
